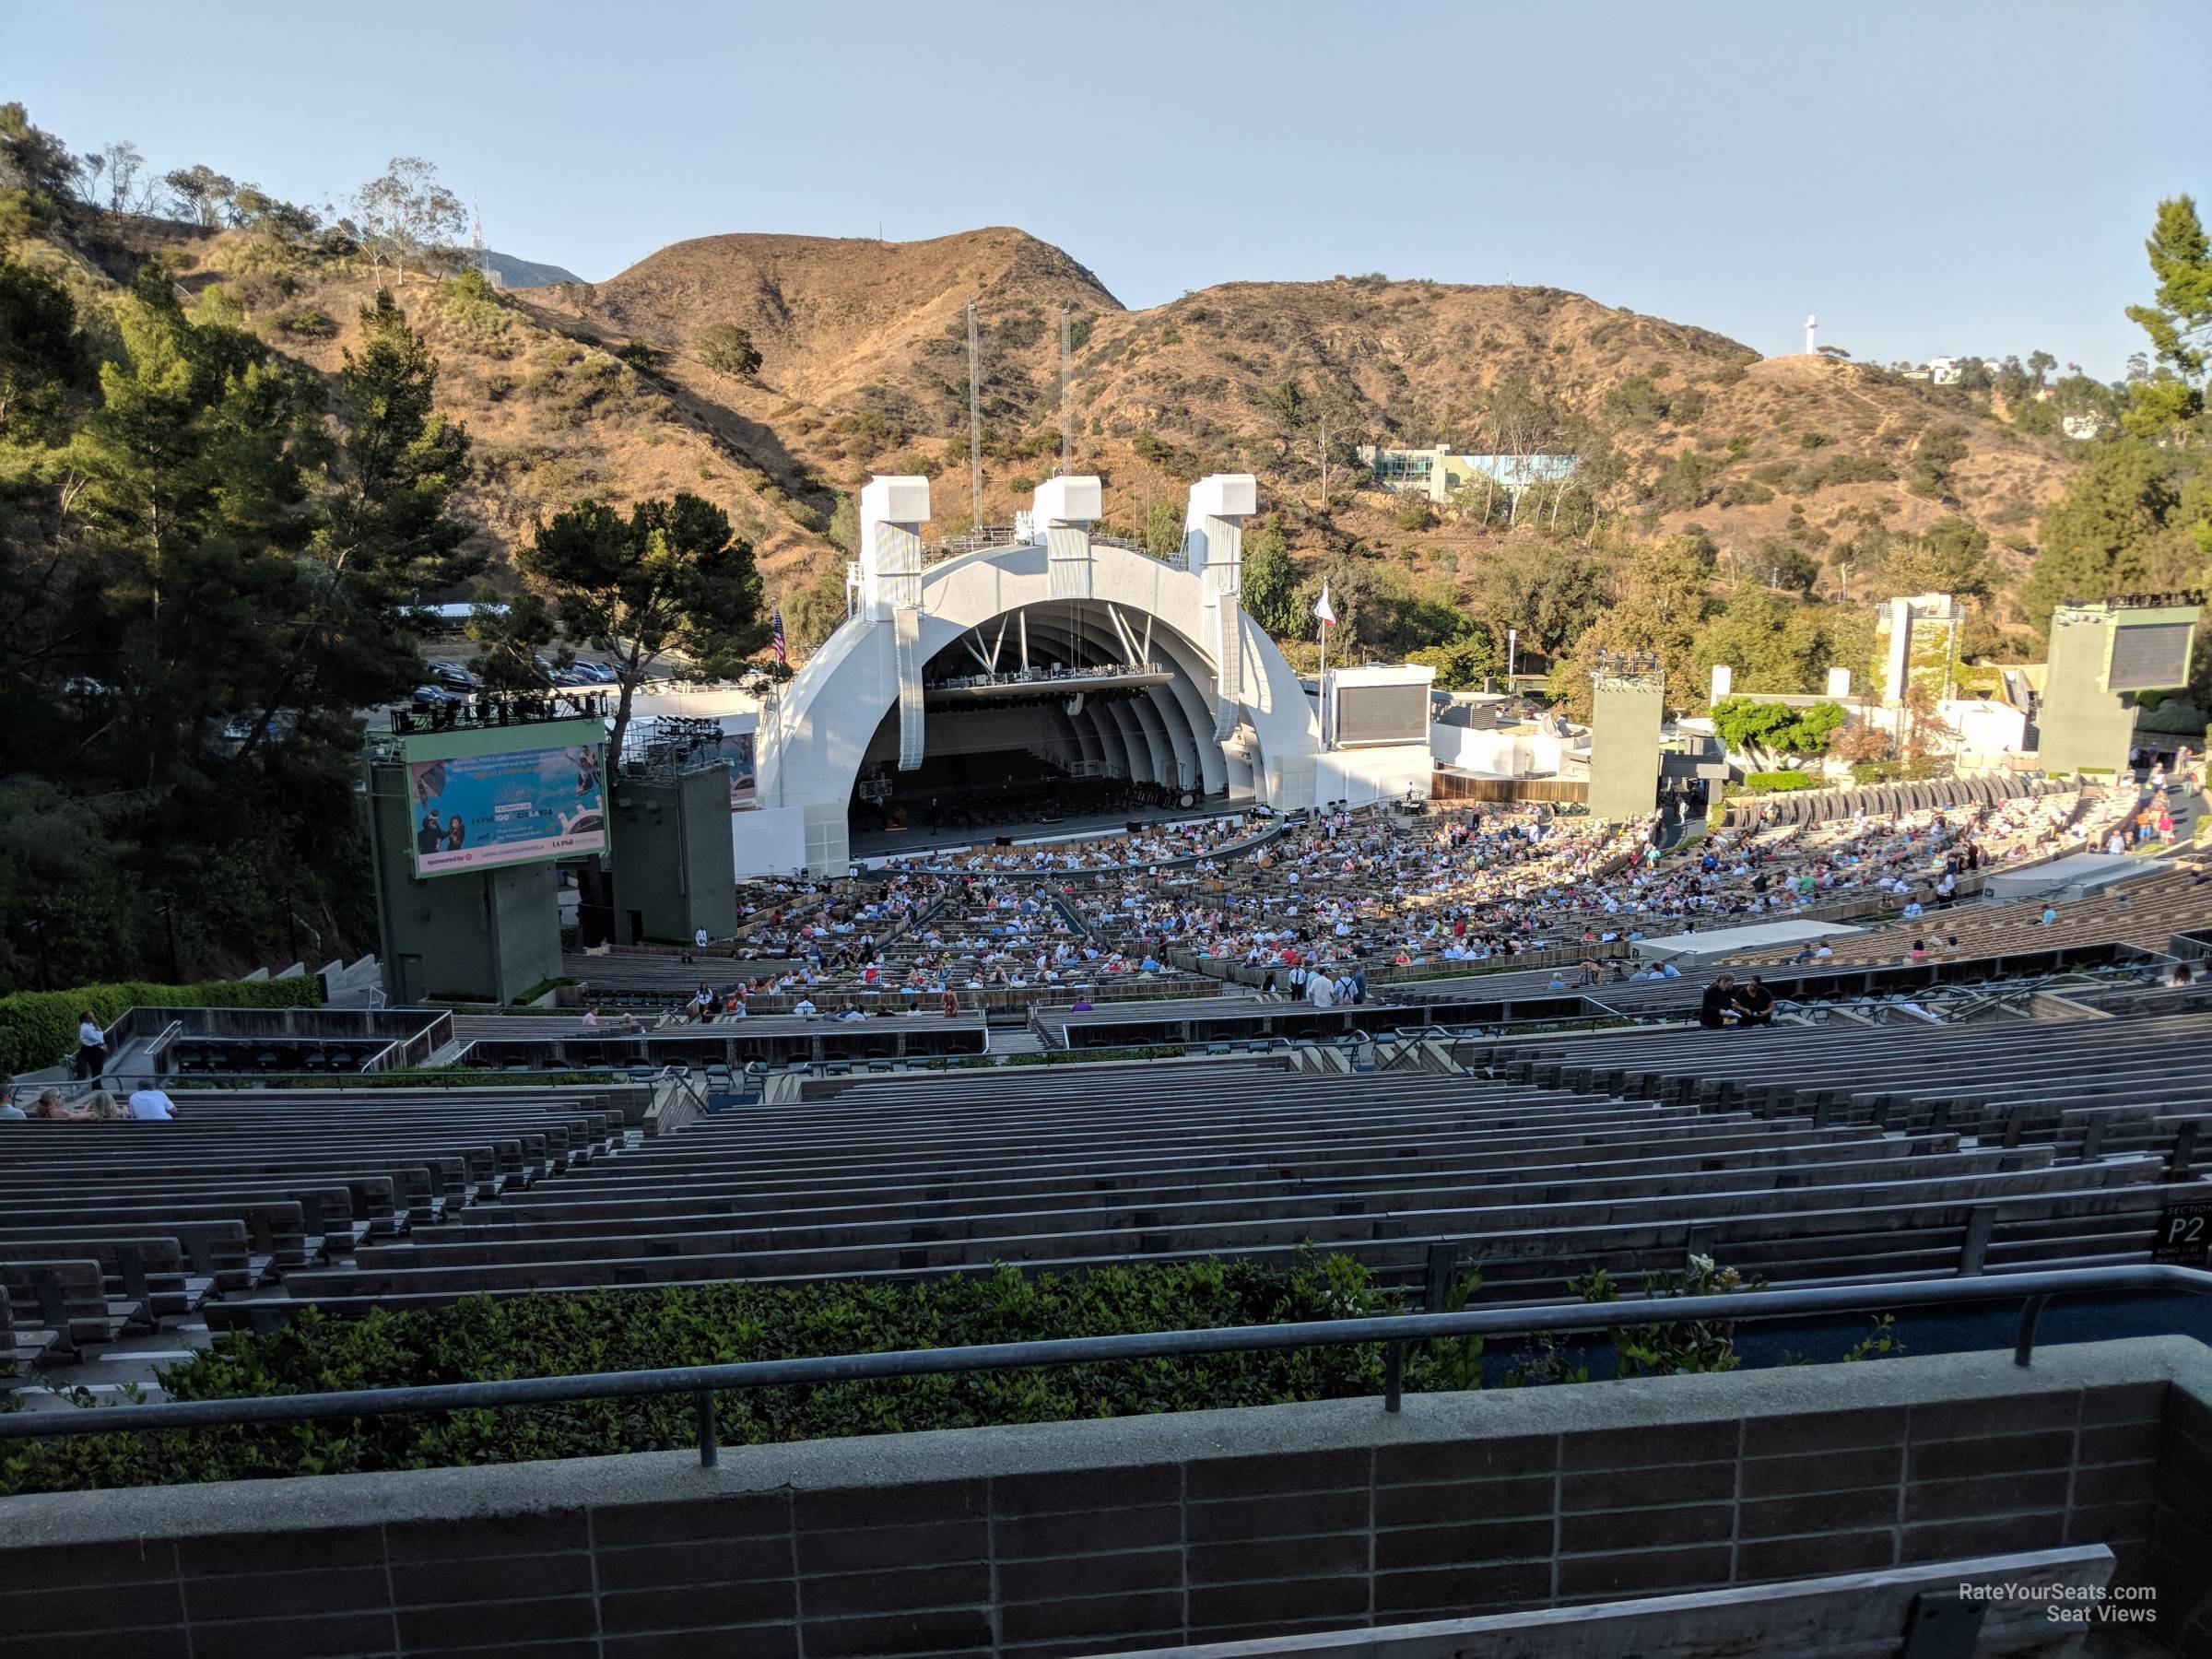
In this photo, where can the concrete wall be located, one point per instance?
(1497, 754)
(1625, 716)
(1362, 776)
(2079, 724)
(674, 864)
(1078, 1538)
(490, 934)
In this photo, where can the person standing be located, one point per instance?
(91, 1046)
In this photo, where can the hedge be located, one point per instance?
(1778, 782)
(551, 1335)
(38, 1028)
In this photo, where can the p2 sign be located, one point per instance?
(2184, 1232)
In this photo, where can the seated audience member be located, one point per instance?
(10, 1111)
(49, 1107)
(104, 1108)
(1718, 1003)
(151, 1105)
(1755, 1003)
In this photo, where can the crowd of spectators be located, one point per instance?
(1337, 899)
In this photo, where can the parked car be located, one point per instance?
(428, 697)
(454, 677)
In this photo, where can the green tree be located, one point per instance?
(40, 364)
(1662, 602)
(408, 214)
(38, 175)
(1463, 664)
(1270, 582)
(1770, 732)
(2108, 534)
(727, 349)
(2179, 321)
(670, 579)
(204, 193)
(1547, 595)
(813, 613)
(844, 526)
(1951, 556)
(1163, 529)
(196, 492)
(1772, 643)
(511, 635)
(1931, 466)
(388, 540)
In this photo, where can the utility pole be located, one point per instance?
(1068, 404)
(975, 419)
(1325, 461)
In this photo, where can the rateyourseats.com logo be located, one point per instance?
(2075, 1604)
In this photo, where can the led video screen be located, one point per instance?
(476, 812)
(2149, 656)
(1383, 713)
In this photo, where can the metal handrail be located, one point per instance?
(2033, 1291)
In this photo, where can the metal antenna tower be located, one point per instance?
(975, 419)
(1068, 405)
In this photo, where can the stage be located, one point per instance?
(875, 846)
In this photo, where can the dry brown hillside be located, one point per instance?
(864, 347)
(864, 369)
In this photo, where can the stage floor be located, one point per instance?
(899, 843)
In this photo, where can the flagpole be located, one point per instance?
(1325, 674)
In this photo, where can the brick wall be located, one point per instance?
(1083, 1537)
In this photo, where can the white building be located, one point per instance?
(1117, 663)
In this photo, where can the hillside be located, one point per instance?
(579, 389)
(864, 365)
(507, 271)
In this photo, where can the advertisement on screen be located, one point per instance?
(476, 812)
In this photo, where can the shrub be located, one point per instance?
(1778, 782)
(728, 350)
(308, 321)
(555, 1335)
(38, 1028)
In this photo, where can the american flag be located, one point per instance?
(776, 636)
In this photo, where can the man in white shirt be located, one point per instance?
(152, 1105)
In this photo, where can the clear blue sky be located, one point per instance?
(1928, 177)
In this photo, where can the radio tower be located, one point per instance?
(975, 420)
(476, 237)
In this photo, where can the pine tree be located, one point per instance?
(195, 509)
(671, 578)
(2179, 321)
